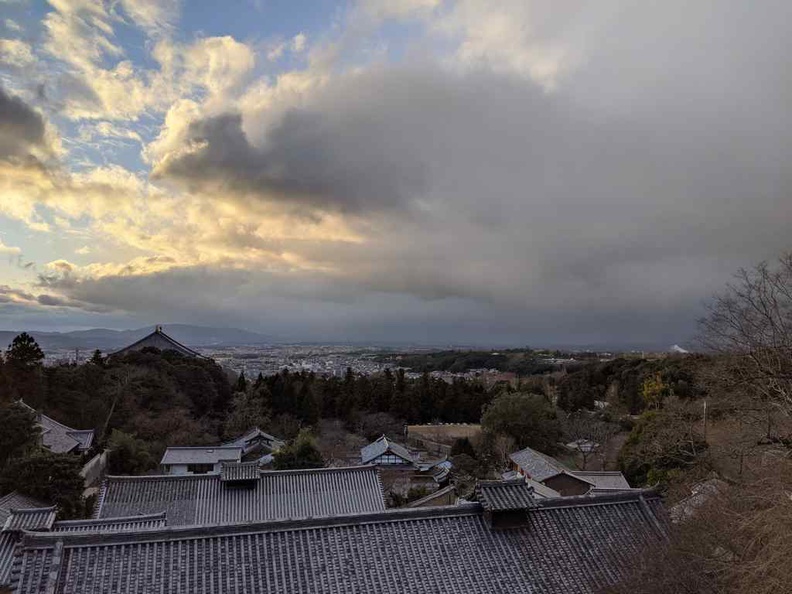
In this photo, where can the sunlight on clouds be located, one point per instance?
(16, 53)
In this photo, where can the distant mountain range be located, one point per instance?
(108, 340)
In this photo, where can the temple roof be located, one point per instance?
(383, 445)
(159, 340)
(60, 439)
(571, 545)
(207, 499)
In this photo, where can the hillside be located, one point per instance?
(108, 340)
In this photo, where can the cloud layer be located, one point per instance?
(522, 173)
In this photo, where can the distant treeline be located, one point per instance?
(623, 382)
(520, 361)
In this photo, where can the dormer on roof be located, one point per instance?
(239, 474)
(506, 503)
(158, 339)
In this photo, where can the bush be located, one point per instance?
(53, 478)
(128, 455)
(526, 418)
(301, 453)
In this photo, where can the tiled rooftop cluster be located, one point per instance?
(569, 545)
(207, 499)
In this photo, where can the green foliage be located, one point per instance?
(24, 352)
(247, 411)
(128, 455)
(308, 397)
(241, 383)
(622, 382)
(20, 432)
(654, 391)
(527, 418)
(660, 443)
(519, 361)
(50, 477)
(301, 453)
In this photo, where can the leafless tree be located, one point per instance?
(750, 325)
(591, 435)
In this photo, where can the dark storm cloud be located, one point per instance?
(304, 164)
(21, 128)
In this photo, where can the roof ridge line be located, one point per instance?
(122, 477)
(34, 539)
(118, 520)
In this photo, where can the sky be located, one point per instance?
(518, 172)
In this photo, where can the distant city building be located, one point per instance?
(158, 340)
(60, 439)
(198, 460)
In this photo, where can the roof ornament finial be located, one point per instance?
(158, 329)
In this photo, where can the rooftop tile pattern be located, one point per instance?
(575, 548)
(602, 479)
(205, 499)
(505, 495)
(37, 518)
(201, 455)
(133, 523)
(59, 438)
(8, 543)
(243, 471)
(383, 445)
(537, 465)
(16, 500)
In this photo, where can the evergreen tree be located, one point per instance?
(301, 453)
(20, 433)
(53, 478)
(24, 352)
(241, 383)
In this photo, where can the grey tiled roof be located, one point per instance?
(242, 471)
(377, 448)
(8, 542)
(16, 500)
(159, 340)
(135, 523)
(505, 495)
(201, 455)
(569, 546)
(205, 499)
(537, 465)
(248, 440)
(37, 518)
(59, 438)
(610, 480)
